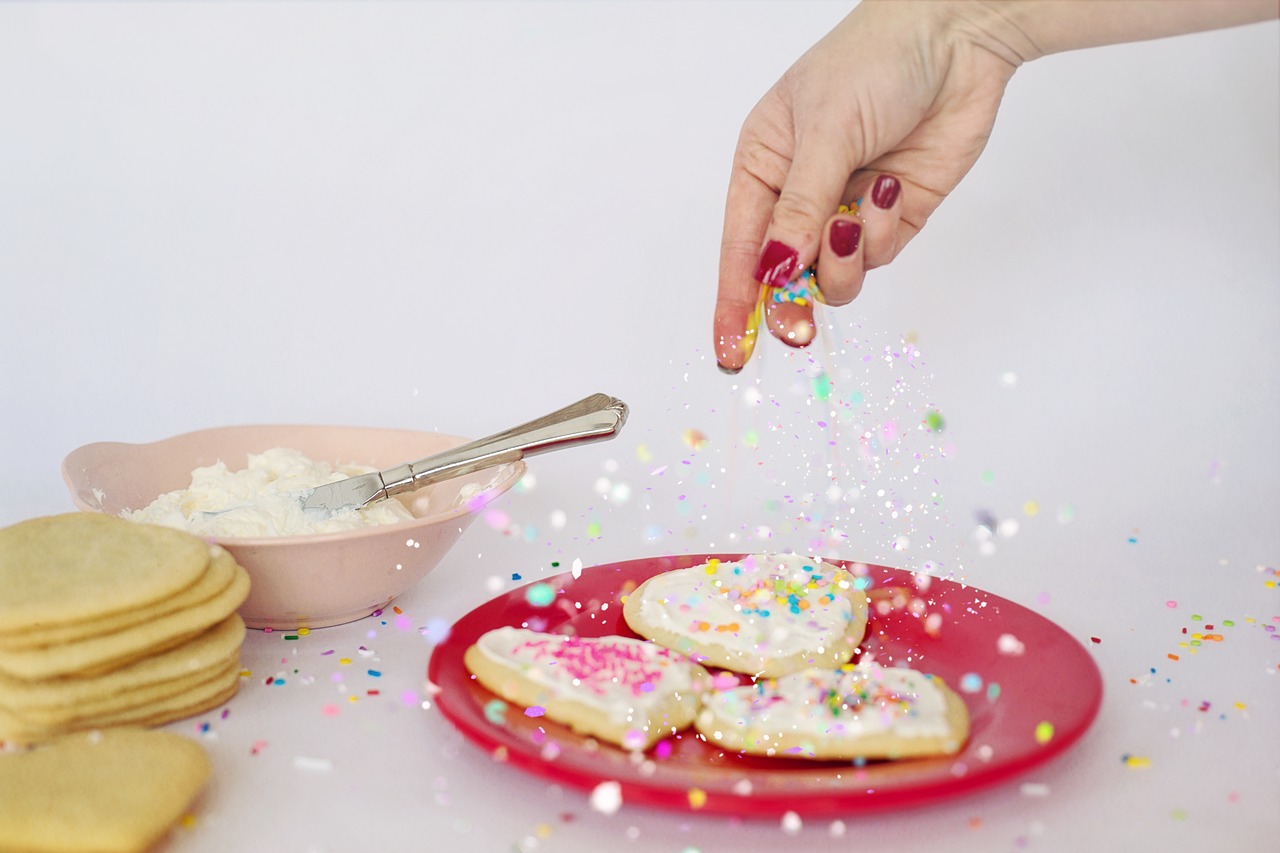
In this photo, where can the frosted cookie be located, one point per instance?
(66, 568)
(618, 689)
(102, 653)
(766, 614)
(862, 711)
(103, 791)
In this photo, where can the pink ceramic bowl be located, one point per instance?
(300, 581)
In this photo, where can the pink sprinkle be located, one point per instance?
(535, 711)
(258, 746)
(1171, 604)
(330, 710)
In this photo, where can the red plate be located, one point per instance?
(1031, 695)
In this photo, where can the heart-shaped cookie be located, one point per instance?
(115, 790)
(766, 614)
(856, 711)
(618, 689)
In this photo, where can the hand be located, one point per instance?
(885, 115)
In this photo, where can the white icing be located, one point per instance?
(762, 607)
(852, 702)
(263, 499)
(623, 678)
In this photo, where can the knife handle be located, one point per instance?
(595, 418)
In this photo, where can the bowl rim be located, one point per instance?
(518, 470)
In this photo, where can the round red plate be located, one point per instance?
(1032, 690)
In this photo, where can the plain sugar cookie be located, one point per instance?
(106, 791)
(66, 568)
(766, 614)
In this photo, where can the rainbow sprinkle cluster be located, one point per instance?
(801, 291)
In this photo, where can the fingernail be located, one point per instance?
(844, 237)
(778, 262)
(885, 192)
(729, 371)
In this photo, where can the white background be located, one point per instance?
(458, 216)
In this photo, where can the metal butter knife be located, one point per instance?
(595, 418)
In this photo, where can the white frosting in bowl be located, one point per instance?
(263, 499)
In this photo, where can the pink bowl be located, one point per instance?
(300, 581)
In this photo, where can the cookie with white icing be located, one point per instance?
(857, 711)
(766, 614)
(618, 689)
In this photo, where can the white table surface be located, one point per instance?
(457, 216)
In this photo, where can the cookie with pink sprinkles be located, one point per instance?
(763, 615)
(618, 689)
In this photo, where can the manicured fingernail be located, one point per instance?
(778, 262)
(885, 192)
(729, 371)
(844, 237)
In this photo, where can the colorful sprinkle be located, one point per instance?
(540, 594)
(495, 711)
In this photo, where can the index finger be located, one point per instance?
(748, 206)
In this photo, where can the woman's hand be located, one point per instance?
(884, 116)
(844, 159)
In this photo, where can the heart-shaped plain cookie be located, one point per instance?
(115, 790)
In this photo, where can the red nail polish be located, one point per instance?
(885, 192)
(844, 237)
(778, 262)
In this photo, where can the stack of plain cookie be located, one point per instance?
(105, 622)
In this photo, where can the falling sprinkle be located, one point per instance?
(1008, 644)
(697, 798)
(495, 711)
(1044, 732)
(695, 439)
(934, 422)
(534, 711)
(791, 823)
(971, 682)
(540, 594)
(606, 797)
(1136, 761)
(822, 386)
